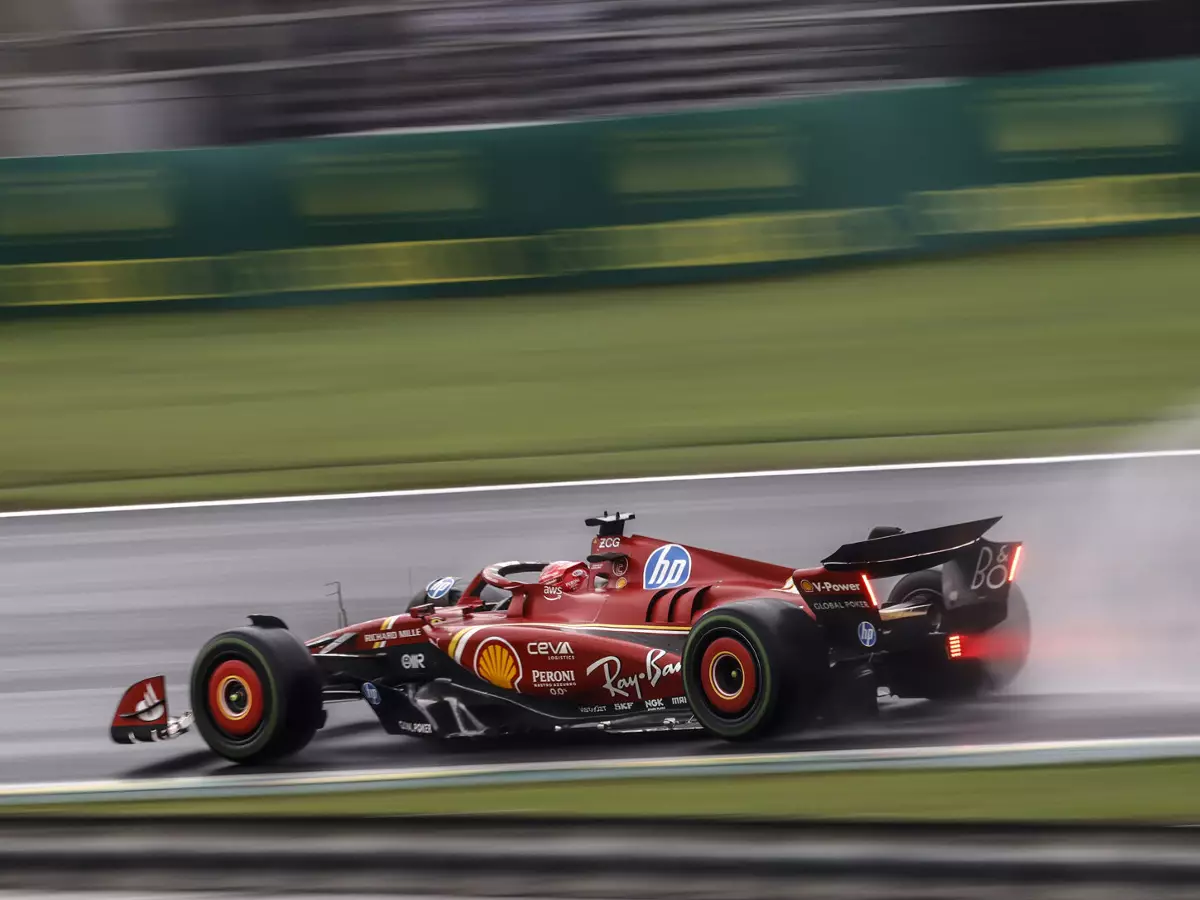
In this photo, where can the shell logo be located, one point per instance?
(806, 586)
(496, 663)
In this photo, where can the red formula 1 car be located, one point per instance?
(644, 634)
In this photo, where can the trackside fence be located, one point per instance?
(932, 168)
(574, 858)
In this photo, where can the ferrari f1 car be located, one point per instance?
(643, 634)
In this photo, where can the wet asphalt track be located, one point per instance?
(91, 603)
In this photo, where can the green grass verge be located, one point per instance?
(1129, 792)
(1038, 350)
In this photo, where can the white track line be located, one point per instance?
(969, 755)
(910, 11)
(612, 482)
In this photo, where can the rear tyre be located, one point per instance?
(1012, 642)
(920, 589)
(937, 678)
(751, 666)
(256, 694)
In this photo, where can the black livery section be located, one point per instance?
(976, 574)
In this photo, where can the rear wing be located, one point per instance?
(973, 569)
(908, 551)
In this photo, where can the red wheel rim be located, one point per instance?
(729, 675)
(235, 698)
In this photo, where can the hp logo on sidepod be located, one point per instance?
(669, 566)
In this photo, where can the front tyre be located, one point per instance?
(256, 694)
(751, 666)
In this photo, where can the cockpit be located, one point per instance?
(493, 588)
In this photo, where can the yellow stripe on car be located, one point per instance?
(458, 643)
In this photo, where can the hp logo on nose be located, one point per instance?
(866, 634)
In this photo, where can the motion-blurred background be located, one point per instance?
(771, 224)
(80, 76)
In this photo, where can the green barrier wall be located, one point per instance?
(691, 195)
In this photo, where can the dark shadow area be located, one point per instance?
(969, 41)
(362, 745)
(194, 762)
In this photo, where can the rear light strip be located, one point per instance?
(866, 583)
(954, 646)
(1014, 563)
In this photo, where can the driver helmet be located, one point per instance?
(445, 591)
(565, 574)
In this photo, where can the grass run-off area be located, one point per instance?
(1036, 350)
(1162, 792)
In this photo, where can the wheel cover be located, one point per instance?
(729, 676)
(932, 598)
(236, 700)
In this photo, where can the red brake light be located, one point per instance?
(1014, 563)
(954, 646)
(866, 583)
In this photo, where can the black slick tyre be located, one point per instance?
(753, 666)
(1014, 637)
(920, 589)
(256, 694)
(938, 678)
